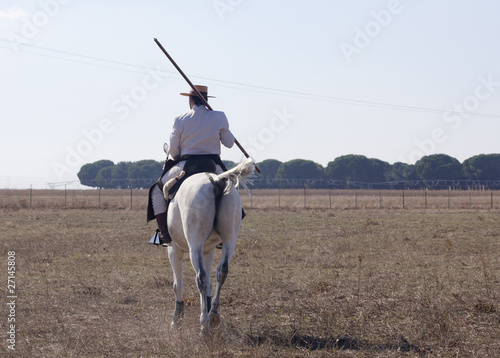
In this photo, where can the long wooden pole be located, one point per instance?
(199, 95)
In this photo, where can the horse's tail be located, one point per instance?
(240, 174)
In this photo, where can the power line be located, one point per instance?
(78, 58)
(112, 64)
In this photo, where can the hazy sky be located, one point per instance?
(394, 80)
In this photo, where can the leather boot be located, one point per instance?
(161, 220)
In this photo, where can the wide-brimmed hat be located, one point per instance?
(202, 89)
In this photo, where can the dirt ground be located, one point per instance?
(314, 283)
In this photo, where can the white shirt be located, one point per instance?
(199, 131)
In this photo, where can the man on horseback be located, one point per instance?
(199, 132)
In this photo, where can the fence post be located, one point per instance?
(130, 197)
(470, 200)
(449, 197)
(31, 194)
(380, 200)
(99, 202)
(491, 205)
(65, 195)
(279, 197)
(304, 196)
(355, 200)
(403, 199)
(330, 194)
(425, 190)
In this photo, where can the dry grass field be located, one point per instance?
(261, 198)
(302, 283)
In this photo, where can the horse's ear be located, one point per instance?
(165, 148)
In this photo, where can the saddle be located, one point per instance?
(194, 165)
(198, 161)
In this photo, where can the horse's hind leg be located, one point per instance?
(208, 259)
(175, 257)
(203, 282)
(222, 271)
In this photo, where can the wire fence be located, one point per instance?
(258, 183)
(15, 199)
(389, 185)
(323, 184)
(371, 199)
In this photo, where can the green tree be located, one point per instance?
(403, 172)
(358, 168)
(121, 170)
(439, 167)
(482, 167)
(88, 172)
(380, 171)
(105, 178)
(144, 172)
(144, 169)
(268, 170)
(300, 169)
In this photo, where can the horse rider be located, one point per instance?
(199, 131)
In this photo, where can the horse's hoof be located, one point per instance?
(178, 315)
(205, 332)
(214, 320)
(176, 324)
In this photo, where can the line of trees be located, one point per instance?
(345, 171)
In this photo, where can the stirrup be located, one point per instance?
(219, 246)
(155, 240)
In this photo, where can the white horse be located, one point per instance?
(197, 224)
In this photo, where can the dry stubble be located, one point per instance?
(301, 283)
